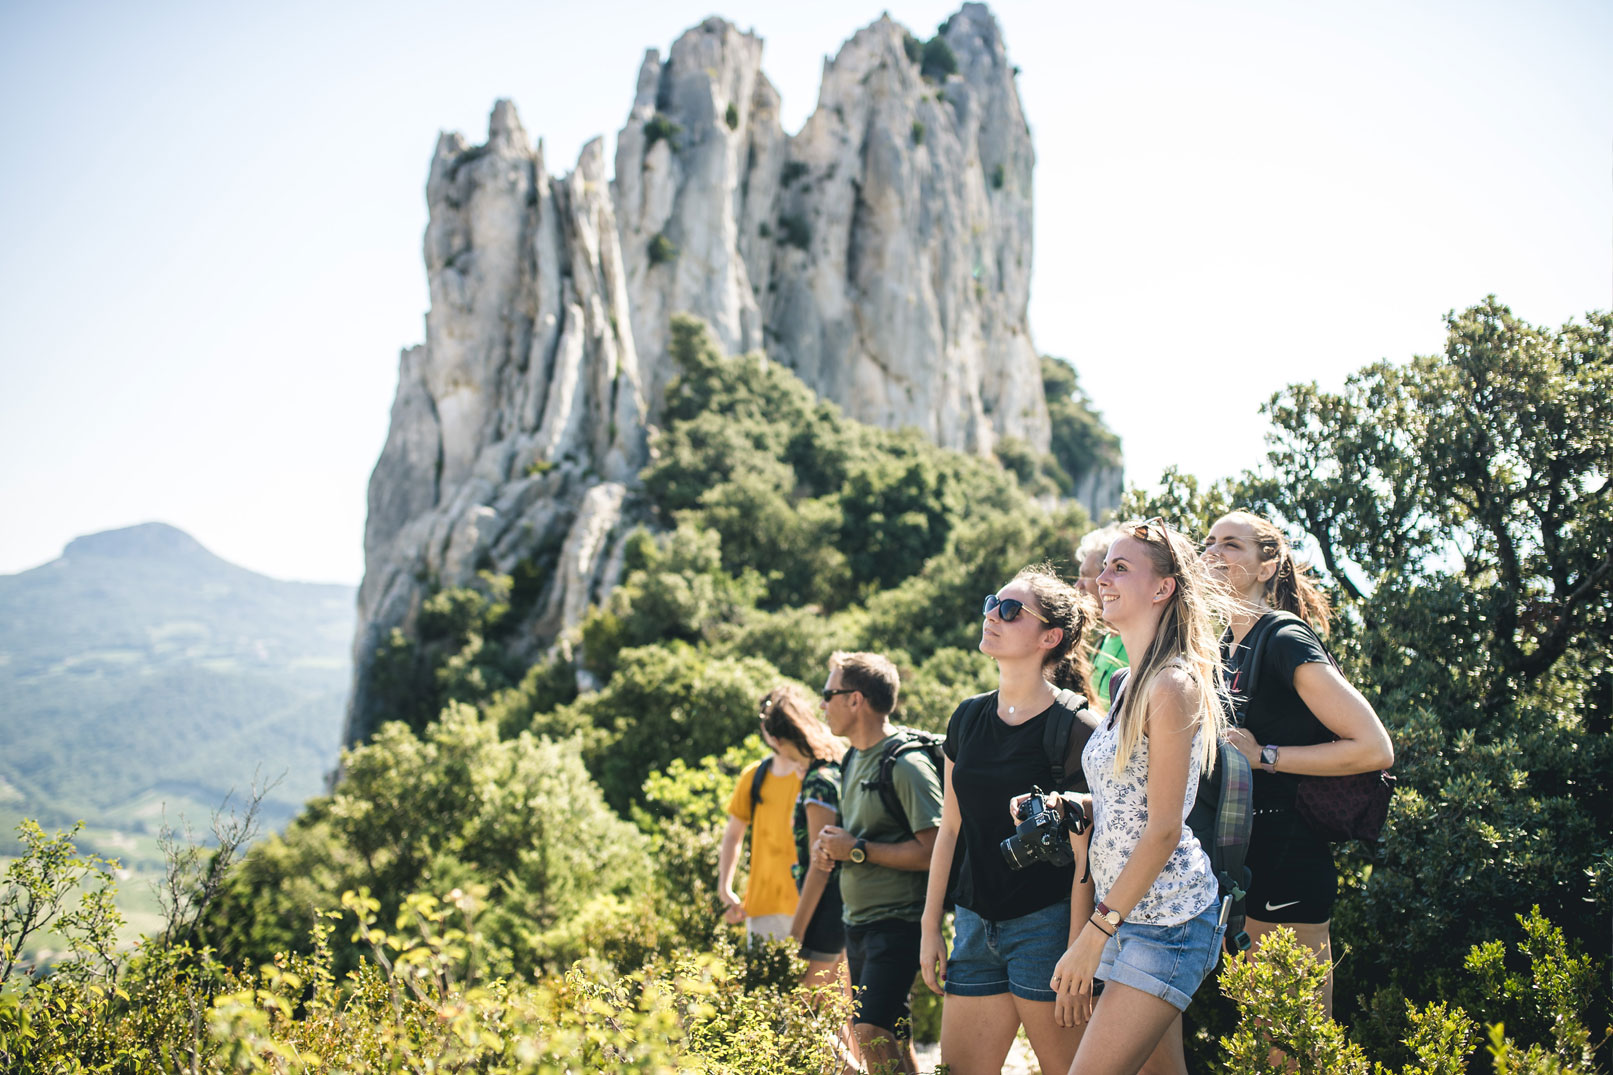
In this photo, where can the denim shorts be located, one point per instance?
(1016, 955)
(1167, 962)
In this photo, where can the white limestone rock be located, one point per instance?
(883, 253)
(525, 394)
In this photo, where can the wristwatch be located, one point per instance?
(1108, 914)
(1268, 757)
(859, 850)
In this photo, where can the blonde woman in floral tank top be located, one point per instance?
(1155, 933)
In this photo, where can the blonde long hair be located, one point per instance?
(1188, 637)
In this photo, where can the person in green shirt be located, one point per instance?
(1110, 655)
(885, 860)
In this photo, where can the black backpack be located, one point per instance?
(1222, 819)
(905, 741)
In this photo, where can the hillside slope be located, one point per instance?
(139, 668)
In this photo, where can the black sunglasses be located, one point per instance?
(828, 694)
(1008, 608)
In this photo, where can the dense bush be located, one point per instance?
(456, 806)
(1460, 507)
(938, 60)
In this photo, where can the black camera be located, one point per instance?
(1040, 835)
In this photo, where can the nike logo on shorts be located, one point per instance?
(1279, 906)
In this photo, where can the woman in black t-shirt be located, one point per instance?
(1011, 926)
(1303, 720)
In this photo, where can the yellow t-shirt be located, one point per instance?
(771, 889)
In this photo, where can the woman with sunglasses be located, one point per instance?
(1155, 933)
(1010, 925)
(1303, 719)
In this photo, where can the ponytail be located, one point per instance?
(1290, 588)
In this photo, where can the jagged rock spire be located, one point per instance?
(883, 253)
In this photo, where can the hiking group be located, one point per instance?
(1157, 779)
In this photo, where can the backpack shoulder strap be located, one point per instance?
(1261, 633)
(756, 780)
(1069, 725)
(1117, 684)
(906, 741)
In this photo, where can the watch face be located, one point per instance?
(856, 854)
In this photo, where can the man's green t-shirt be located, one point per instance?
(872, 892)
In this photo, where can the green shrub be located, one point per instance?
(658, 127)
(456, 805)
(662, 249)
(939, 60)
(731, 117)
(913, 47)
(998, 175)
(918, 133)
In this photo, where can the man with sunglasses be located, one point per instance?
(885, 859)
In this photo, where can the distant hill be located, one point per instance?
(139, 671)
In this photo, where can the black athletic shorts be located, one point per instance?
(1294, 879)
(825, 935)
(884, 959)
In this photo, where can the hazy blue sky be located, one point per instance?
(212, 217)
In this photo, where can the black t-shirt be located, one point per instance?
(991, 763)
(1276, 714)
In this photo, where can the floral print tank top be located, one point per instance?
(1186, 885)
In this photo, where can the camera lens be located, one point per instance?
(1015, 853)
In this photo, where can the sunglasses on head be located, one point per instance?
(1140, 531)
(1008, 608)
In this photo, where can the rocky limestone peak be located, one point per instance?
(883, 253)
(696, 165)
(901, 282)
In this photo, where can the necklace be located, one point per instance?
(1012, 710)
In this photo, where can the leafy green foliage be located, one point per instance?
(731, 117)
(454, 806)
(1461, 504)
(918, 133)
(662, 703)
(51, 887)
(938, 60)
(658, 127)
(1081, 443)
(662, 249)
(457, 653)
